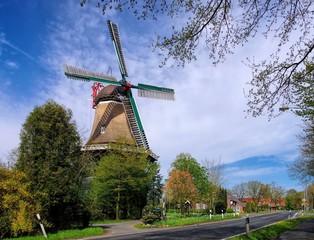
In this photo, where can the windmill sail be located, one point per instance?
(115, 36)
(149, 91)
(116, 112)
(135, 124)
(82, 74)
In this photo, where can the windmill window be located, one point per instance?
(102, 129)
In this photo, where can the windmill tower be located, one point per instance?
(116, 113)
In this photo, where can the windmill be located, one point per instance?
(116, 113)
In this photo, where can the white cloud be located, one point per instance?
(207, 118)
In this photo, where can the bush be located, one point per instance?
(230, 210)
(151, 214)
(150, 218)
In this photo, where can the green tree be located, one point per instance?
(221, 201)
(155, 190)
(257, 190)
(293, 199)
(49, 154)
(222, 25)
(17, 205)
(303, 167)
(185, 162)
(122, 180)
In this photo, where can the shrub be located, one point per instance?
(151, 214)
(230, 210)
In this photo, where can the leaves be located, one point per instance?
(122, 179)
(17, 205)
(49, 154)
(223, 25)
(180, 187)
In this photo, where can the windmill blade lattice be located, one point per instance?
(149, 91)
(115, 36)
(82, 74)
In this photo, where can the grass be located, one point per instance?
(175, 220)
(272, 231)
(67, 234)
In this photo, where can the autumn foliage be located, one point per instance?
(180, 188)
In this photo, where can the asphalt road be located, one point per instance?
(214, 230)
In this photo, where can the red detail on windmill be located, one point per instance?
(127, 86)
(96, 89)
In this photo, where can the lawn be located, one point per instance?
(66, 234)
(175, 220)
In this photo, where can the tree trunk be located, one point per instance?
(118, 206)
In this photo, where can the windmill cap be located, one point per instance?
(106, 94)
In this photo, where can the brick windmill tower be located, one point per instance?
(116, 114)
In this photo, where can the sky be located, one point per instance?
(207, 119)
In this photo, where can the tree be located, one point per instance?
(293, 199)
(185, 162)
(221, 201)
(215, 172)
(276, 192)
(256, 190)
(240, 190)
(122, 181)
(303, 89)
(225, 24)
(155, 190)
(180, 188)
(49, 154)
(17, 205)
(303, 167)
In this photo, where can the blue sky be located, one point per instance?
(207, 119)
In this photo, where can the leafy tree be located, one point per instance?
(225, 24)
(185, 162)
(17, 205)
(293, 199)
(180, 188)
(155, 190)
(49, 155)
(304, 92)
(257, 190)
(303, 167)
(221, 201)
(122, 180)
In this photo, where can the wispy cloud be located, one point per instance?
(11, 64)
(4, 41)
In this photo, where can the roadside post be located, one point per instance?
(210, 214)
(247, 224)
(41, 225)
(222, 213)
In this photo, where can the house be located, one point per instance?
(273, 206)
(234, 203)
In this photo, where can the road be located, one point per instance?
(213, 230)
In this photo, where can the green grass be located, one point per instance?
(175, 220)
(67, 234)
(272, 231)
